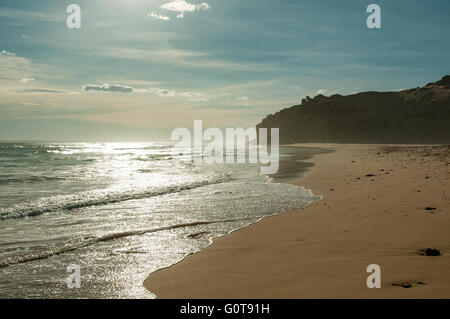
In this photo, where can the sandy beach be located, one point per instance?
(381, 205)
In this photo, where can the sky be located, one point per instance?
(137, 69)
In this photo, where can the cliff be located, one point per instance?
(420, 115)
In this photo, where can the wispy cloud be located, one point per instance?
(158, 16)
(29, 104)
(243, 100)
(17, 69)
(27, 80)
(13, 67)
(161, 92)
(184, 58)
(44, 90)
(108, 88)
(195, 96)
(12, 13)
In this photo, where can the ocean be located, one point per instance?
(120, 211)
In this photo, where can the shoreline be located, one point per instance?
(290, 170)
(322, 251)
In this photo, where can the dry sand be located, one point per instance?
(322, 251)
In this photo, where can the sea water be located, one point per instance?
(119, 211)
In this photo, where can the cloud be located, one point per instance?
(195, 96)
(126, 89)
(39, 90)
(27, 80)
(29, 104)
(161, 92)
(200, 100)
(243, 100)
(14, 69)
(180, 6)
(184, 6)
(158, 16)
(27, 15)
(108, 88)
(183, 58)
(321, 91)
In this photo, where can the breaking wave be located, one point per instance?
(98, 197)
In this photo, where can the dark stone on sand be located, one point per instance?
(408, 283)
(432, 252)
(430, 208)
(370, 175)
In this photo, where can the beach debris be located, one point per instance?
(430, 252)
(331, 189)
(197, 235)
(370, 175)
(430, 208)
(408, 283)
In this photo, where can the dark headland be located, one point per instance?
(419, 115)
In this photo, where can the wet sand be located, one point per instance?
(382, 205)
